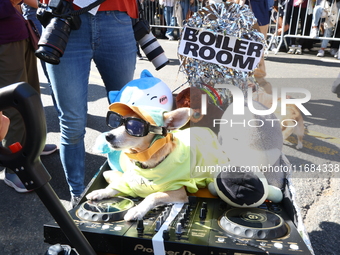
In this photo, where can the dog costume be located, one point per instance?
(147, 91)
(178, 169)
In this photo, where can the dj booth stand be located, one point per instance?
(104, 242)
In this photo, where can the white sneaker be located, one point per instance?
(314, 32)
(292, 49)
(321, 53)
(170, 37)
(298, 50)
(333, 51)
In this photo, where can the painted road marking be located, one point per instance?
(328, 138)
(318, 148)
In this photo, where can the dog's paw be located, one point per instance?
(133, 214)
(139, 211)
(100, 194)
(299, 145)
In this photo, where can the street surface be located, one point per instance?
(317, 186)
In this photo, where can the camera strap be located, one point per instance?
(85, 9)
(140, 11)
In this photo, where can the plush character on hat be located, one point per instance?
(253, 144)
(192, 97)
(145, 91)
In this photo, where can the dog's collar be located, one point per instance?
(154, 147)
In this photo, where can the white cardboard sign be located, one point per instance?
(239, 54)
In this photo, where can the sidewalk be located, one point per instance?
(22, 215)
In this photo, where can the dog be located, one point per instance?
(293, 120)
(159, 174)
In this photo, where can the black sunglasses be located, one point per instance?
(133, 126)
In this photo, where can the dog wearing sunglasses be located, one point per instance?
(156, 158)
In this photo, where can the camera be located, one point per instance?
(58, 22)
(149, 44)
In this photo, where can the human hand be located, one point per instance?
(242, 2)
(299, 2)
(4, 124)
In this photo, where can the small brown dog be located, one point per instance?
(293, 120)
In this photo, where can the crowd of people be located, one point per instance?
(306, 21)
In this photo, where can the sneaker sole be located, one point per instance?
(17, 189)
(44, 153)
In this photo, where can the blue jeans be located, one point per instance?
(169, 19)
(185, 4)
(317, 13)
(106, 38)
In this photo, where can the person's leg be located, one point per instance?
(32, 68)
(260, 72)
(328, 33)
(69, 82)
(324, 43)
(335, 45)
(18, 64)
(185, 4)
(14, 67)
(169, 20)
(317, 11)
(114, 31)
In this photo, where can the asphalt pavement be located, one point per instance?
(318, 191)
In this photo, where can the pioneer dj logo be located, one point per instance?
(254, 217)
(142, 248)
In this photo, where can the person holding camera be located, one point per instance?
(104, 36)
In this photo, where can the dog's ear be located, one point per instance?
(176, 118)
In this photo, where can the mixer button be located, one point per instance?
(294, 246)
(158, 225)
(140, 226)
(278, 245)
(220, 239)
(166, 235)
(203, 213)
(179, 228)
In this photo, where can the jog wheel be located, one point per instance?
(106, 210)
(253, 223)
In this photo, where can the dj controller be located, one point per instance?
(201, 226)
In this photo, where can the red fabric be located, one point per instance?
(128, 6)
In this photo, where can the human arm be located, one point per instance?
(32, 3)
(299, 2)
(4, 124)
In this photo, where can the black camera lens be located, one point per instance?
(53, 41)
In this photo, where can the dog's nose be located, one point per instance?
(109, 137)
